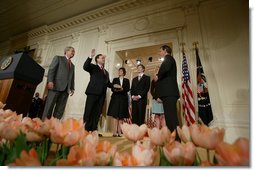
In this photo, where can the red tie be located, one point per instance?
(102, 68)
(69, 63)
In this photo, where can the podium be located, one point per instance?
(19, 77)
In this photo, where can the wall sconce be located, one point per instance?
(118, 65)
(150, 59)
(138, 61)
(161, 59)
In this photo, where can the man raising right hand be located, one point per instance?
(96, 90)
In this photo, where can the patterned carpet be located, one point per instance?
(122, 143)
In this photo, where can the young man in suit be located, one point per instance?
(60, 84)
(139, 88)
(96, 90)
(167, 88)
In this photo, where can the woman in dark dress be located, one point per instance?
(118, 106)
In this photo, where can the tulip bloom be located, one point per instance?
(27, 159)
(161, 136)
(104, 150)
(83, 155)
(67, 132)
(236, 154)
(10, 130)
(34, 129)
(134, 132)
(206, 137)
(180, 154)
(144, 154)
(184, 133)
(124, 159)
(91, 137)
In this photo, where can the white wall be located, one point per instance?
(220, 27)
(225, 28)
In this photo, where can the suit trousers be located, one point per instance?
(55, 100)
(139, 111)
(170, 112)
(93, 110)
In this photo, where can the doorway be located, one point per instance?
(126, 52)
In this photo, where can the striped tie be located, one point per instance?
(69, 63)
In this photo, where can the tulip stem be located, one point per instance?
(208, 155)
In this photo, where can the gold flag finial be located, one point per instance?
(195, 44)
(182, 44)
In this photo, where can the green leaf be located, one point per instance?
(21, 144)
(163, 160)
(65, 151)
(61, 153)
(197, 160)
(110, 161)
(2, 155)
(43, 149)
(53, 162)
(11, 154)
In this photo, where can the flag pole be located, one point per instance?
(182, 44)
(195, 44)
(205, 113)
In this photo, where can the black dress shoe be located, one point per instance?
(119, 135)
(100, 135)
(114, 135)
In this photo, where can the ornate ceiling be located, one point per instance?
(19, 16)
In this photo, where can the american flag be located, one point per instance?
(187, 95)
(128, 120)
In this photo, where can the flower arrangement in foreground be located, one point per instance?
(27, 142)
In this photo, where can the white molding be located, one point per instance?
(99, 13)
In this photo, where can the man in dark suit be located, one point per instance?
(96, 90)
(139, 88)
(36, 106)
(60, 84)
(167, 87)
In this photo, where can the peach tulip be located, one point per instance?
(184, 133)
(67, 132)
(206, 137)
(124, 159)
(104, 150)
(8, 116)
(134, 132)
(33, 129)
(10, 130)
(92, 137)
(180, 154)
(236, 154)
(161, 136)
(41, 127)
(27, 159)
(84, 155)
(205, 163)
(143, 154)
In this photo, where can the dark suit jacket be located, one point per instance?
(125, 86)
(98, 80)
(140, 87)
(60, 74)
(167, 82)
